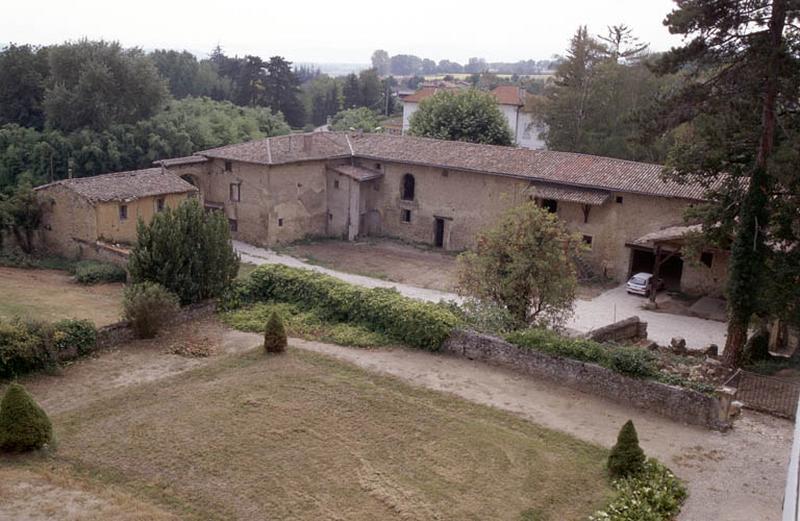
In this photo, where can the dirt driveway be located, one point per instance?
(383, 259)
(53, 295)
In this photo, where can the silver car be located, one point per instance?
(642, 284)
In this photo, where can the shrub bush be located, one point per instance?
(417, 324)
(148, 306)
(94, 272)
(72, 333)
(627, 457)
(655, 494)
(25, 347)
(274, 334)
(24, 425)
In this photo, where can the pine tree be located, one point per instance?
(24, 426)
(274, 334)
(627, 457)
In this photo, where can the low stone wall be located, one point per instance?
(677, 403)
(102, 252)
(629, 330)
(121, 332)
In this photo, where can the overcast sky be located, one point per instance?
(344, 31)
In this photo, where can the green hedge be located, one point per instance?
(94, 272)
(27, 346)
(654, 494)
(384, 310)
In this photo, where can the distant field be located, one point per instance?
(304, 437)
(52, 295)
(464, 76)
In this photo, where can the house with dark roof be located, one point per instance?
(442, 193)
(84, 215)
(511, 101)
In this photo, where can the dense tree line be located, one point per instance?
(324, 96)
(410, 65)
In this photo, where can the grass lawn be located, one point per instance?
(52, 295)
(302, 436)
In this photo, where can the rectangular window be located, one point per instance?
(280, 222)
(619, 199)
(707, 258)
(228, 165)
(551, 205)
(236, 192)
(160, 204)
(377, 166)
(587, 240)
(233, 224)
(336, 184)
(405, 216)
(123, 212)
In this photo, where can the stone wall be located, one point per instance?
(629, 330)
(674, 402)
(99, 251)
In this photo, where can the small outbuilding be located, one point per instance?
(97, 216)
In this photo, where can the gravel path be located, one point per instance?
(589, 314)
(736, 476)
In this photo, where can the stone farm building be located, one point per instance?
(88, 216)
(442, 193)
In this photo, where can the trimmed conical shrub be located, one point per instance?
(24, 425)
(626, 457)
(275, 335)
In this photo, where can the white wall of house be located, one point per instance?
(525, 134)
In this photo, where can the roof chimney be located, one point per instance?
(308, 140)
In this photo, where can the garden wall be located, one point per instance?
(629, 330)
(677, 403)
(102, 252)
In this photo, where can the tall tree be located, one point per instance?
(23, 70)
(283, 91)
(380, 62)
(371, 91)
(351, 92)
(96, 83)
(743, 68)
(251, 82)
(622, 45)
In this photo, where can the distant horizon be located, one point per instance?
(317, 31)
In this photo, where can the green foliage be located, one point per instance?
(94, 84)
(23, 69)
(21, 215)
(148, 306)
(95, 272)
(307, 324)
(80, 335)
(484, 317)
(274, 334)
(472, 116)
(24, 426)
(626, 457)
(355, 119)
(525, 264)
(187, 251)
(414, 323)
(654, 494)
(25, 347)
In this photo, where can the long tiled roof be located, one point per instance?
(571, 194)
(357, 173)
(563, 168)
(125, 186)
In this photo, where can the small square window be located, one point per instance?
(445, 173)
(707, 258)
(405, 216)
(160, 204)
(123, 212)
(330, 216)
(377, 166)
(228, 165)
(551, 205)
(280, 221)
(336, 184)
(235, 192)
(233, 224)
(619, 199)
(587, 240)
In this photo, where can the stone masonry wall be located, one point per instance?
(679, 404)
(631, 329)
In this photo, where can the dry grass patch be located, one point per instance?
(52, 295)
(302, 436)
